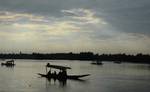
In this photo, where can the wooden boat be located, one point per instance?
(97, 63)
(62, 75)
(8, 63)
(117, 62)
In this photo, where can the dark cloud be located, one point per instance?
(128, 16)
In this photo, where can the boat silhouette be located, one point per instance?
(97, 62)
(8, 63)
(62, 75)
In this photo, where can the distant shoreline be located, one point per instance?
(88, 56)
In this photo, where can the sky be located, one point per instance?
(51, 26)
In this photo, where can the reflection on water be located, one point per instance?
(110, 77)
(62, 83)
(10, 66)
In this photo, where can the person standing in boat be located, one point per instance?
(48, 64)
(49, 72)
(64, 73)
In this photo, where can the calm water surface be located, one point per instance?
(110, 77)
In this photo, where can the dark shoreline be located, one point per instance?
(89, 56)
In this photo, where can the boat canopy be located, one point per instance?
(58, 67)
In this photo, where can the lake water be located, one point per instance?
(109, 77)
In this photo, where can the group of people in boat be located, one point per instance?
(60, 75)
(9, 63)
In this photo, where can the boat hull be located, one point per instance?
(6, 64)
(97, 63)
(75, 77)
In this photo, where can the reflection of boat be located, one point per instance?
(62, 75)
(97, 63)
(8, 63)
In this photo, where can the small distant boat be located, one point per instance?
(117, 62)
(97, 63)
(8, 63)
(62, 75)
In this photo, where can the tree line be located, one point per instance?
(138, 58)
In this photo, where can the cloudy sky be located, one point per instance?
(101, 26)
